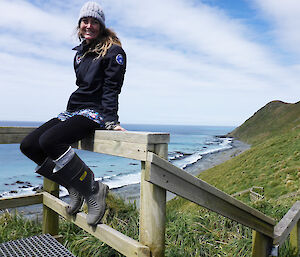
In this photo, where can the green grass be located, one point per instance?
(14, 226)
(272, 164)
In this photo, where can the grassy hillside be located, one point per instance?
(273, 162)
(273, 119)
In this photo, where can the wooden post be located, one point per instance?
(50, 217)
(295, 237)
(153, 210)
(261, 244)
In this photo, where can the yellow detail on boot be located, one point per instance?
(83, 176)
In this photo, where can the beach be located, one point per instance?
(131, 193)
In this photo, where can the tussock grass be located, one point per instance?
(13, 226)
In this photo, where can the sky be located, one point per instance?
(189, 62)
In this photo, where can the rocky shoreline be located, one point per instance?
(131, 193)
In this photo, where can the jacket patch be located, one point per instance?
(120, 59)
(78, 58)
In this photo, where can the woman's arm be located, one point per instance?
(115, 67)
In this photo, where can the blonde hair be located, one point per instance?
(105, 40)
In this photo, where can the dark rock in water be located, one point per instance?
(13, 192)
(38, 176)
(19, 182)
(6, 184)
(109, 171)
(38, 189)
(112, 165)
(23, 186)
(132, 163)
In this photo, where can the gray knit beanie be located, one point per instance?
(92, 9)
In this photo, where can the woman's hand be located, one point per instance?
(119, 128)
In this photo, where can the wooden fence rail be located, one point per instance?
(158, 176)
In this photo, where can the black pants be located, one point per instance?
(54, 137)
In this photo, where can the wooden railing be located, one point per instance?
(157, 177)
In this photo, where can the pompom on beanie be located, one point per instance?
(92, 9)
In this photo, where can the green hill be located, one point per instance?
(274, 159)
(273, 162)
(273, 119)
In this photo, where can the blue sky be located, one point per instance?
(210, 62)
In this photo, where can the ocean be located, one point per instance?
(188, 144)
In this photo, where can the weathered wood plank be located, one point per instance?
(137, 151)
(176, 180)
(286, 224)
(153, 210)
(261, 244)
(13, 135)
(106, 234)
(133, 136)
(11, 138)
(123, 136)
(129, 144)
(295, 237)
(50, 218)
(16, 130)
(19, 201)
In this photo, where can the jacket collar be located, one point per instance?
(82, 47)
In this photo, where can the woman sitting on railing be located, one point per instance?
(100, 64)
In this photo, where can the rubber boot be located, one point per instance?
(79, 175)
(76, 199)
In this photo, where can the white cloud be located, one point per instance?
(202, 29)
(21, 17)
(32, 89)
(188, 63)
(285, 19)
(215, 58)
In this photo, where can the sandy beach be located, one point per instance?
(131, 193)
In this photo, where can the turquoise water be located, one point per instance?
(187, 145)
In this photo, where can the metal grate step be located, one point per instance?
(36, 246)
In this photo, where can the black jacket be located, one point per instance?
(99, 81)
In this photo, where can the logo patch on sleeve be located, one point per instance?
(78, 59)
(120, 59)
